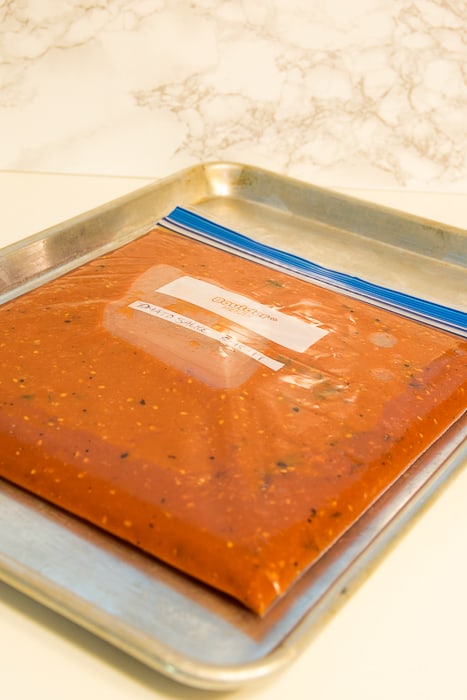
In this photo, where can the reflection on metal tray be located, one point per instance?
(172, 623)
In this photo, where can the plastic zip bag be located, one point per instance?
(221, 413)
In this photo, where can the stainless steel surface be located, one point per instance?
(170, 622)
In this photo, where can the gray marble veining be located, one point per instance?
(368, 93)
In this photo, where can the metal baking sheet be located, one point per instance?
(170, 622)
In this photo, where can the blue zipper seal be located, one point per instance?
(189, 223)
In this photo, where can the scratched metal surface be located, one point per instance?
(175, 625)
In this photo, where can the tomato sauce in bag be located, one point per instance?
(230, 419)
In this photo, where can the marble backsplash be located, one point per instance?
(360, 93)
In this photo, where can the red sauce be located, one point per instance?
(235, 473)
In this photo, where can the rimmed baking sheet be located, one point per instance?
(163, 618)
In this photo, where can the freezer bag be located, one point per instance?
(223, 414)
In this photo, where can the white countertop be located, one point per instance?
(401, 634)
(368, 93)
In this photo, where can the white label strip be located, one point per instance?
(288, 331)
(192, 325)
